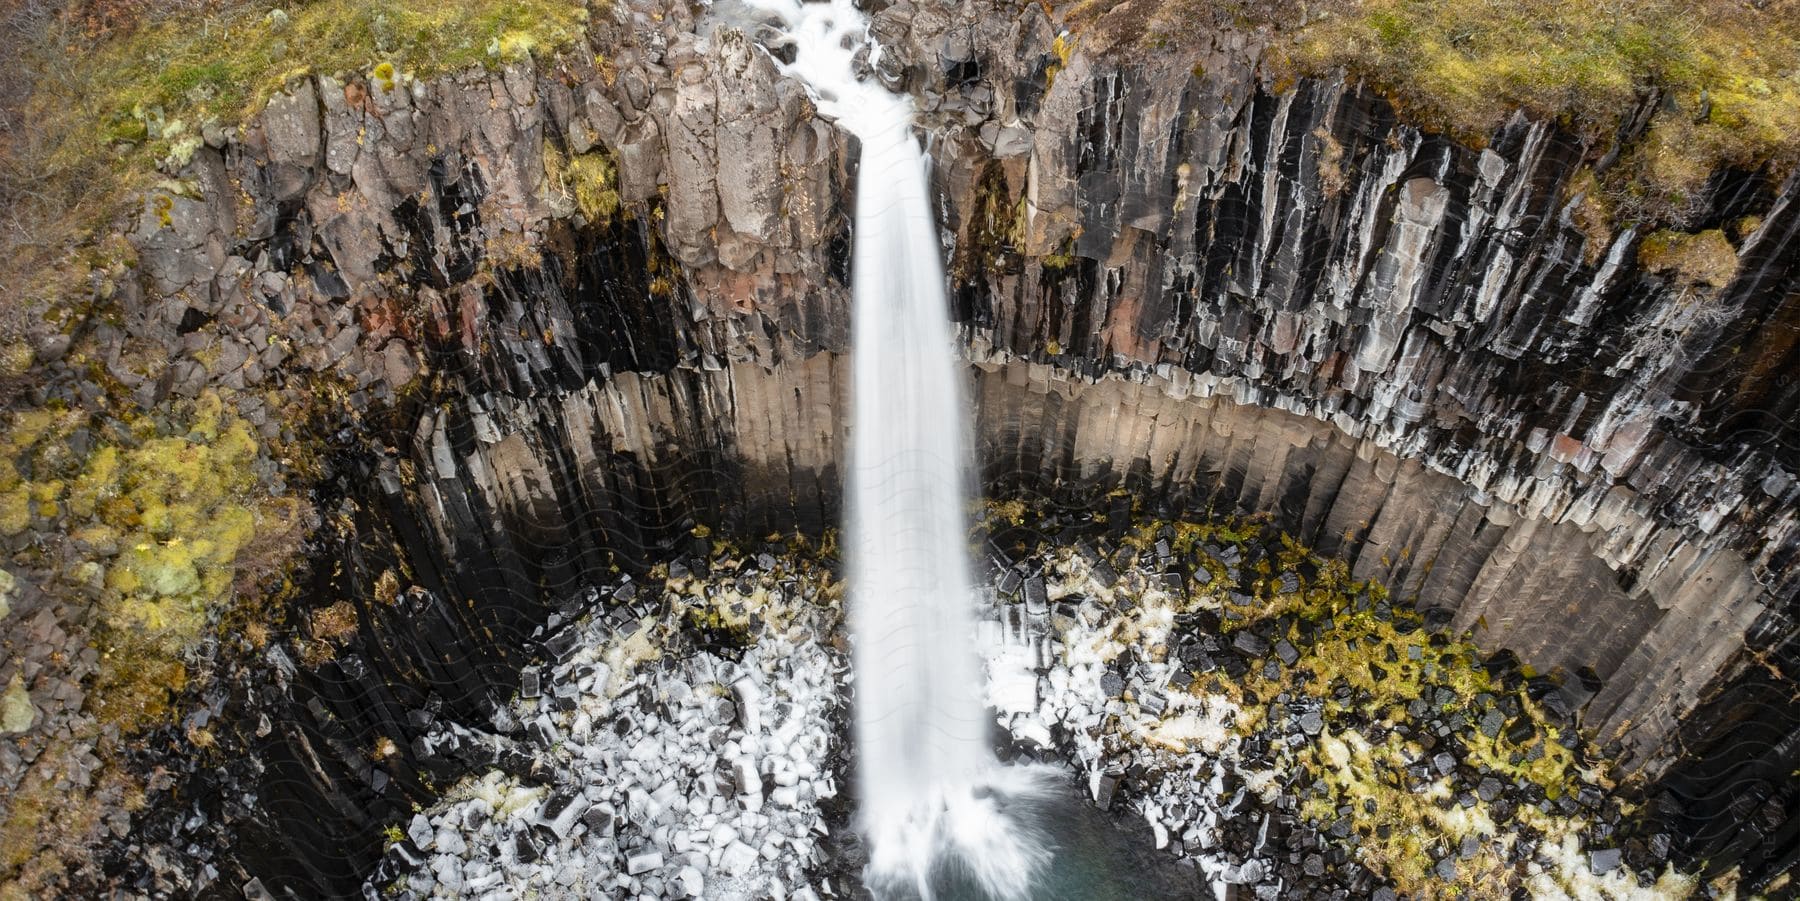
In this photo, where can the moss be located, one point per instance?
(1364, 663)
(1062, 47)
(15, 510)
(178, 71)
(1703, 259)
(1333, 180)
(592, 177)
(1590, 212)
(387, 588)
(384, 75)
(995, 229)
(163, 515)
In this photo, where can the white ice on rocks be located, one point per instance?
(1190, 738)
(668, 762)
(1062, 662)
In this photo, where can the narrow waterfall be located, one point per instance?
(933, 795)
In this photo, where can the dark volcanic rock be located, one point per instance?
(1603, 861)
(1217, 320)
(1250, 643)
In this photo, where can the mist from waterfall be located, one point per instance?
(939, 812)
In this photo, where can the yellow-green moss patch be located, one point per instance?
(1700, 259)
(163, 515)
(589, 180)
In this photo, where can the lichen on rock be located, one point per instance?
(16, 711)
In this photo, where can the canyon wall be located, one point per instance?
(1238, 296)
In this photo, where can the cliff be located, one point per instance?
(568, 309)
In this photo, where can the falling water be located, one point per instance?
(937, 808)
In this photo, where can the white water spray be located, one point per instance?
(934, 798)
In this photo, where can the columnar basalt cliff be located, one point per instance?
(573, 309)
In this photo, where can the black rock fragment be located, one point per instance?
(1489, 789)
(1603, 861)
(1250, 643)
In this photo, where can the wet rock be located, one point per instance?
(1106, 784)
(526, 848)
(1603, 861)
(1443, 763)
(1286, 651)
(1491, 723)
(1250, 643)
(1104, 573)
(1194, 656)
(1036, 600)
(1010, 581)
(1489, 789)
(1438, 619)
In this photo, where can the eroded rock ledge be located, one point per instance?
(1166, 270)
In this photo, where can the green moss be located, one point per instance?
(168, 508)
(1692, 260)
(589, 180)
(592, 178)
(1364, 662)
(1061, 48)
(224, 67)
(15, 510)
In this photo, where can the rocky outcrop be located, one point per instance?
(1166, 271)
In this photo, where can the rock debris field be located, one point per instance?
(676, 744)
(1275, 724)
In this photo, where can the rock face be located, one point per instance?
(1167, 274)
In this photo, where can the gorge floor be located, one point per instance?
(1239, 709)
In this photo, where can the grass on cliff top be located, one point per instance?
(1728, 72)
(105, 98)
(154, 86)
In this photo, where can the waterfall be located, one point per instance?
(936, 806)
